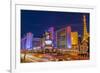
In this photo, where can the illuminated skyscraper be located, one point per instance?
(69, 44)
(52, 36)
(29, 40)
(74, 38)
(23, 42)
(61, 38)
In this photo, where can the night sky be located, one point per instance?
(38, 22)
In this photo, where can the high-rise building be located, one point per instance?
(29, 39)
(74, 38)
(23, 43)
(61, 38)
(68, 29)
(48, 43)
(52, 35)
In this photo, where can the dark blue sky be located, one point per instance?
(38, 21)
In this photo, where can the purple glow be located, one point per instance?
(51, 29)
(29, 38)
(23, 42)
(68, 29)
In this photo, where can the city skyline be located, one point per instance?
(38, 22)
(54, 36)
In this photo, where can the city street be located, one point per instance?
(45, 57)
